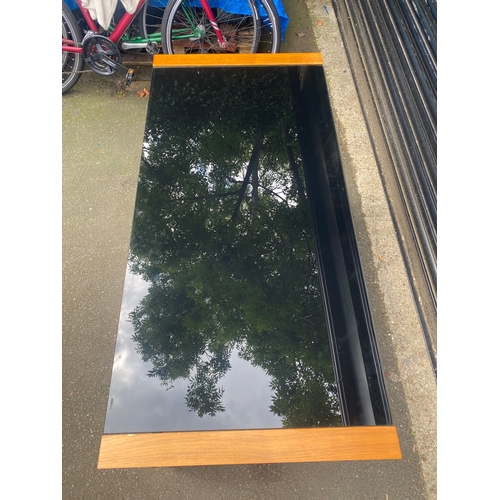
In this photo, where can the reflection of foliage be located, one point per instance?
(203, 396)
(301, 400)
(221, 232)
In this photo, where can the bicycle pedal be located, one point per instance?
(128, 78)
(152, 48)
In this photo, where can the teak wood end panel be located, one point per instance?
(279, 59)
(248, 447)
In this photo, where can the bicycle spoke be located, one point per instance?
(187, 30)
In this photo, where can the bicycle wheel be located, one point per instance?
(270, 26)
(150, 19)
(186, 29)
(72, 63)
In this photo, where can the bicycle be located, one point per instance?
(187, 26)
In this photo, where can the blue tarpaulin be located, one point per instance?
(236, 7)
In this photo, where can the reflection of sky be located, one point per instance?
(138, 403)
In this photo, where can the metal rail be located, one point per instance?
(394, 42)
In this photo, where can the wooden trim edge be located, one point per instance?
(279, 59)
(170, 449)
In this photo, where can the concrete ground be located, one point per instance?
(103, 124)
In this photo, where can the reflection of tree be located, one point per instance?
(222, 234)
(203, 396)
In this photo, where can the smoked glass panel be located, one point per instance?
(222, 323)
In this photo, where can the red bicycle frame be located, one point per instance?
(213, 22)
(126, 20)
(120, 29)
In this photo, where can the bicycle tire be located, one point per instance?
(187, 30)
(150, 19)
(270, 32)
(72, 63)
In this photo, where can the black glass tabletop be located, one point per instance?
(243, 303)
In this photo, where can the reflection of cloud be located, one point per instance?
(247, 396)
(126, 366)
(141, 404)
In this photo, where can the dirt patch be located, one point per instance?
(299, 35)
